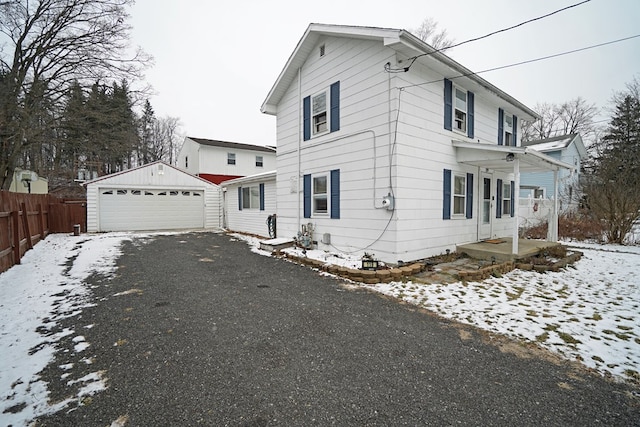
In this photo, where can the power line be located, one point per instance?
(527, 61)
(413, 59)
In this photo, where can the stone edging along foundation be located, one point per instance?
(403, 273)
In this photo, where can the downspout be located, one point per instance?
(300, 133)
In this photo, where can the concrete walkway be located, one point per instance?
(197, 330)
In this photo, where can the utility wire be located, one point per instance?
(527, 61)
(413, 59)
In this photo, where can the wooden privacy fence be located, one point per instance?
(25, 219)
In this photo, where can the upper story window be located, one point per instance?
(321, 112)
(458, 109)
(507, 128)
(259, 161)
(231, 158)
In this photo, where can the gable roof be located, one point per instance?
(149, 169)
(558, 143)
(232, 145)
(399, 40)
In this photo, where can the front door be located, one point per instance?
(486, 200)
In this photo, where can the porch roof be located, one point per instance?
(500, 158)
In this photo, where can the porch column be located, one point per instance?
(552, 234)
(516, 203)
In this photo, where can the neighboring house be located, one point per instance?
(249, 202)
(156, 196)
(566, 148)
(26, 181)
(387, 146)
(219, 161)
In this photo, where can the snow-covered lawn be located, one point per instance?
(588, 312)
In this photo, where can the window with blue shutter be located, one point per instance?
(500, 126)
(261, 197)
(306, 190)
(335, 107)
(335, 193)
(306, 115)
(469, 207)
(446, 194)
(470, 113)
(515, 131)
(239, 198)
(499, 198)
(448, 104)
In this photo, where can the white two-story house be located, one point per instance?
(219, 161)
(387, 146)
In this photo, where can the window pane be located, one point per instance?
(459, 185)
(461, 100)
(461, 121)
(458, 205)
(319, 103)
(255, 197)
(320, 185)
(320, 204)
(246, 198)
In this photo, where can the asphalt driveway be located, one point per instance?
(195, 329)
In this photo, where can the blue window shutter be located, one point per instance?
(515, 131)
(306, 189)
(500, 126)
(335, 106)
(335, 193)
(239, 198)
(448, 104)
(306, 118)
(513, 198)
(469, 208)
(446, 194)
(470, 114)
(261, 197)
(499, 199)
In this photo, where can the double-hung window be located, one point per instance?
(458, 109)
(231, 158)
(321, 112)
(506, 198)
(320, 201)
(321, 194)
(507, 129)
(251, 197)
(459, 194)
(259, 161)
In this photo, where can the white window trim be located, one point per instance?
(465, 111)
(507, 129)
(231, 156)
(455, 195)
(315, 213)
(261, 161)
(327, 112)
(506, 196)
(246, 201)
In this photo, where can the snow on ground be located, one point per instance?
(46, 287)
(589, 312)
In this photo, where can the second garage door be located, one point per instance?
(143, 209)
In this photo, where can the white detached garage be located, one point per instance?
(156, 196)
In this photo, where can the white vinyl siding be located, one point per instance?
(252, 221)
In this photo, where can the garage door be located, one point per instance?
(141, 209)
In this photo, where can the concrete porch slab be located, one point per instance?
(501, 248)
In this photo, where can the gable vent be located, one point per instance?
(321, 50)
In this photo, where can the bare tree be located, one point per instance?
(49, 44)
(165, 138)
(428, 32)
(574, 116)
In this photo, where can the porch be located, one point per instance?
(500, 249)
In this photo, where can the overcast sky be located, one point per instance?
(215, 62)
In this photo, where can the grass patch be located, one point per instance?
(532, 313)
(597, 359)
(515, 295)
(568, 338)
(542, 337)
(596, 316)
(631, 373)
(551, 327)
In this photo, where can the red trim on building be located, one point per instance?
(217, 179)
